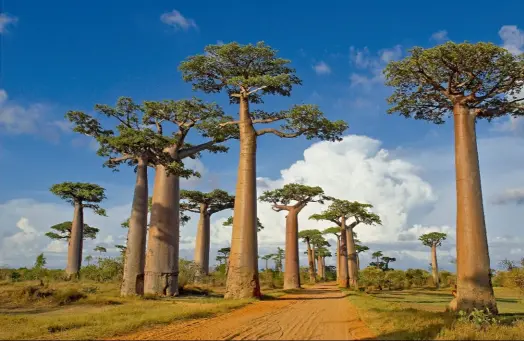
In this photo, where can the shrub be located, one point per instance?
(372, 277)
(447, 279)
(417, 277)
(271, 279)
(187, 271)
(395, 279)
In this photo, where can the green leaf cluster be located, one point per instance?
(86, 194)
(63, 231)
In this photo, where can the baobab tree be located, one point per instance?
(129, 140)
(319, 244)
(386, 260)
(88, 259)
(292, 198)
(323, 252)
(205, 204)
(309, 236)
(470, 82)
(81, 195)
(376, 255)
(267, 258)
(360, 248)
(100, 249)
(336, 232)
(247, 73)
(162, 256)
(63, 231)
(339, 212)
(223, 255)
(433, 240)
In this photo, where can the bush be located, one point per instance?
(107, 270)
(372, 277)
(447, 279)
(417, 277)
(271, 279)
(187, 271)
(395, 279)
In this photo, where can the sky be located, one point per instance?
(62, 55)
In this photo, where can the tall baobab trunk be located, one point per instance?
(343, 279)
(352, 259)
(292, 274)
(242, 280)
(313, 257)
(324, 268)
(358, 262)
(161, 271)
(203, 242)
(311, 262)
(338, 257)
(434, 265)
(319, 267)
(474, 289)
(133, 278)
(74, 250)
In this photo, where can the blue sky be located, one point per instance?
(68, 55)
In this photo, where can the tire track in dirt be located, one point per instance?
(321, 312)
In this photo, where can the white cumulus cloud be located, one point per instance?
(177, 20)
(321, 68)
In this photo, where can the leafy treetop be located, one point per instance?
(377, 254)
(100, 249)
(346, 209)
(332, 230)
(40, 261)
(86, 194)
(229, 222)
(433, 239)
(308, 235)
(63, 231)
(324, 252)
(483, 77)
(318, 241)
(212, 202)
(139, 132)
(301, 195)
(251, 71)
(361, 248)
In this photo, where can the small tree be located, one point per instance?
(40, 261)
(88, 259)
(339, 212)
(433, 240)
(319, 244)
(323, 253)
(473, 82)
(63, 231)
(336, 232)
(377, 255)
(247, 73)
(81, 195)
(308, 237)
(223, 256)
(122, 249)
(100, 249)
(292, 198)
(278, 257)
(205, 204)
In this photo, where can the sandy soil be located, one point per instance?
(318, 313)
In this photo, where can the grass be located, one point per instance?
(99, 313)
(419, 314)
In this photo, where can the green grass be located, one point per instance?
(419, 314)
(99, 315)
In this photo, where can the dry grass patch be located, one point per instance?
(99, 313)
(420, 314)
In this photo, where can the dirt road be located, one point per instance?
(318, 313)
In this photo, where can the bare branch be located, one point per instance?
(195, 149)
(228, 123)
(257, 89)
(278, 208)
(120, 158)
(278, 133)
(268, 120)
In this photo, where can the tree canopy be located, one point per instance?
(89, 195)
(251, 71)
(348, 209)
(229, 222)
(307, 235)
(297, 195)
(139, 132)
(215, 201)
(100, 249)
(361, 248)
(63, 231)
(482, 76)
(433, 238)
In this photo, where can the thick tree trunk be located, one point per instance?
(311, 262)
(352, 259)
(324, 268)
(242, 280)
(74, 251)
(434, 266)
(343, 280)
(358, 262)
(133, 278)
(203, 242)
(338, 257)
(292, 274)
(320, 267)
(313, 257)
(161, 271)
(474, 289)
